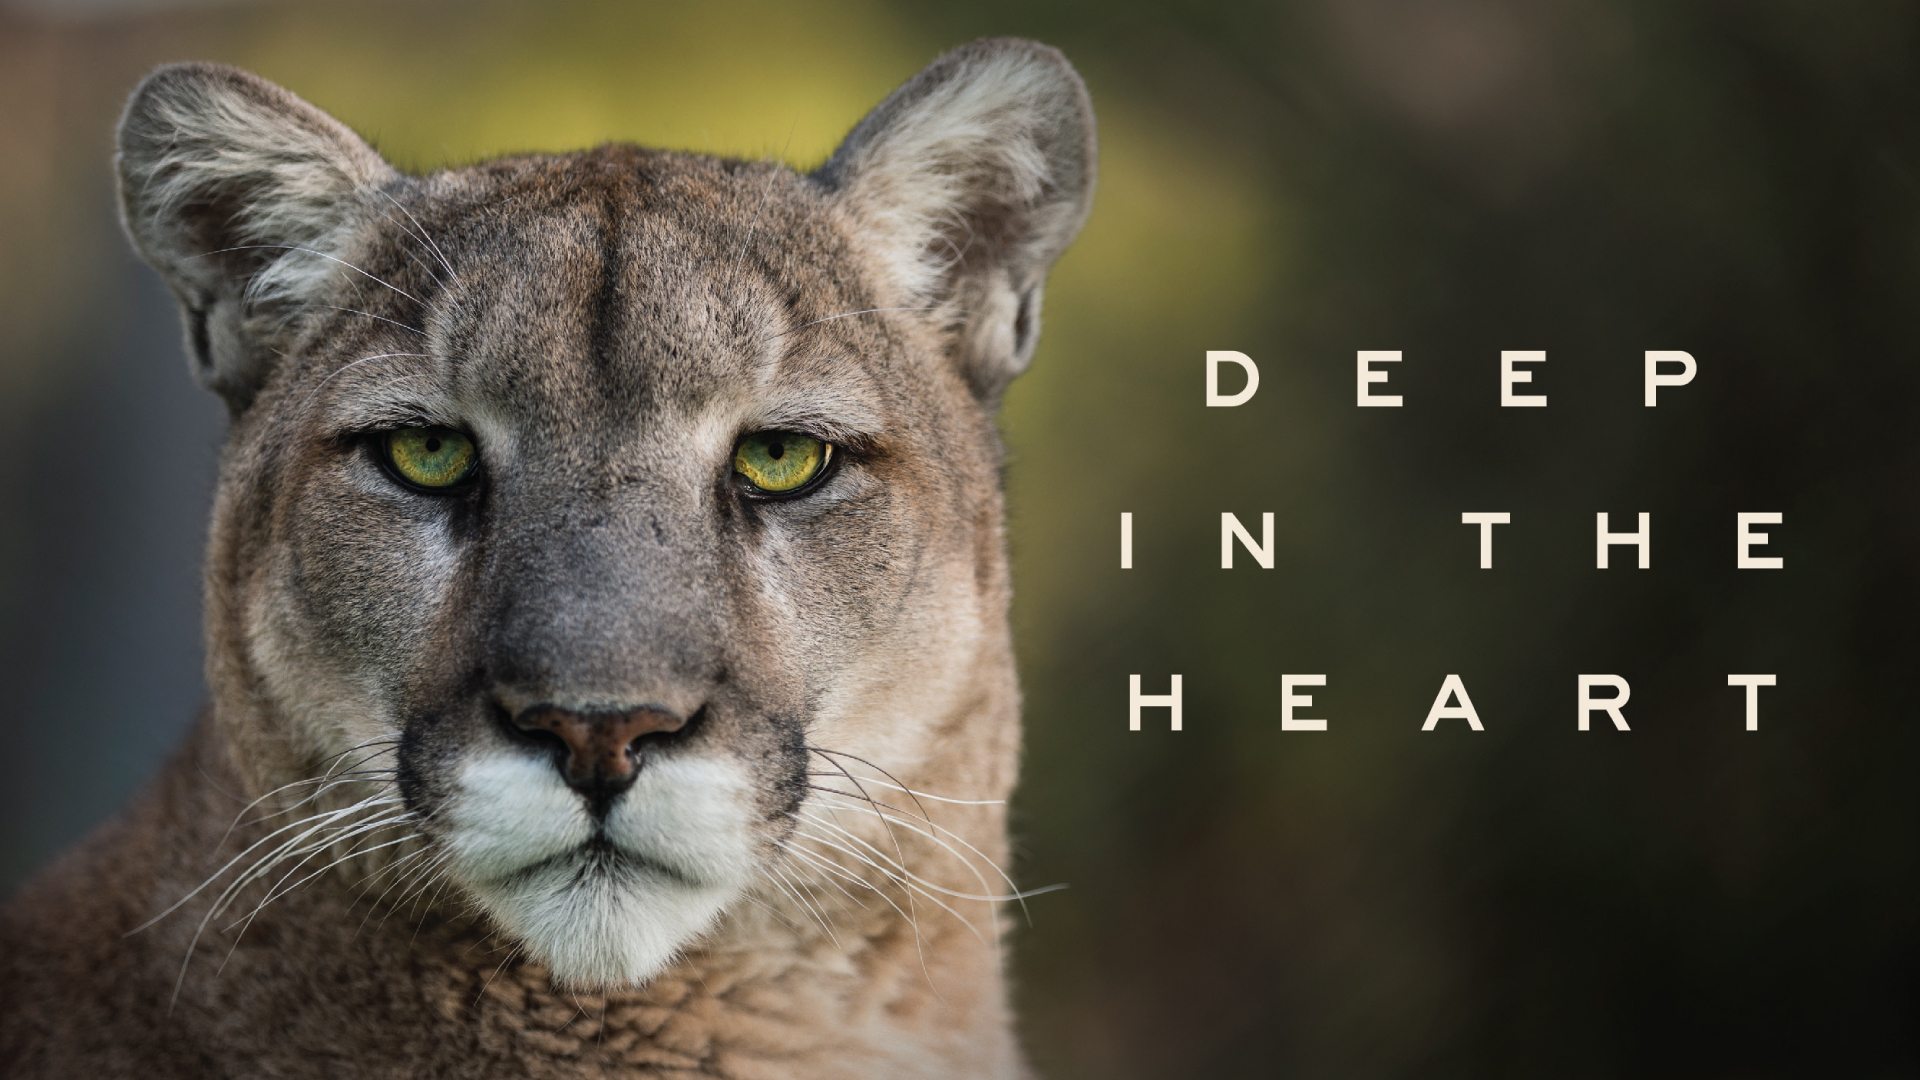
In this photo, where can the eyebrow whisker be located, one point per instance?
(847, 315)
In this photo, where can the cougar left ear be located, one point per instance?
(971, 179)
(238, 193)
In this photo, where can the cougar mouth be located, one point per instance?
(603, 896)
(599, 857)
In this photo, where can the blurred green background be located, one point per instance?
(1296, 181)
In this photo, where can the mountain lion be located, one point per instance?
(606, 605)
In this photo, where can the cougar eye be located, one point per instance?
(430, 458)
(780, 462)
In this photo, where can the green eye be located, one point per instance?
(780, 462)
(434, 458)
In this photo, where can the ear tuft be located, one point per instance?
(229, 186)
(971, 179)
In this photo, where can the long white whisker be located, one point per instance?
(1016, 893)
(769, 909)
(245, 922)
(381, 318)
(847, 315)
(332, 764)
(836, 886)
(929, 797)
(826, 864)
(310, 251)
(344, 368)
(912, 904)
(404, 882)
(424, 235)
(279, 890)
(511, 953)
(393, 867)
(231, 863)
(818, 909)
(261, 867)
(810, 908)
(902, 882)
(440, 874)
(327, 782)
(301, 846)
(985, 897)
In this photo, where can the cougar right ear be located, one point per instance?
(238, 192)
(972, 178)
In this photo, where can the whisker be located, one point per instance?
(326, 784)
(898, 850)
(766, 192)
(1017, 893)
(278, 891)
(260, 868)
(332, 763)
(299, 846)
(231, 863)
(310, 251)
(771, 910)
(934, 885)
(405, 882)
(855, 757)
(344, 368)
(818, 909)
(841, 889)
(846, 315)
(926, 795)
(245, 922)
(440, 874)
(424, 236)
(382, 318)
(904, 883)
(391, 868)
(511, 953)
(822, 862)
(818, 917)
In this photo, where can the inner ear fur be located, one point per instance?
(237, 192)
(969, 181)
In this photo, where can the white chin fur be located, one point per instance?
(685, 831)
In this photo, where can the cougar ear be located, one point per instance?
(236, 191)
(971, 179)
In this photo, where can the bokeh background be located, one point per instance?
(1296, 181)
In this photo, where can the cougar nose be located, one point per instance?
(602, 748)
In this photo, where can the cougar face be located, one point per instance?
(583, 503)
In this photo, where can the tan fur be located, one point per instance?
(606, 324)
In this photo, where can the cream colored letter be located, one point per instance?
(1750, 539)
(1486, 521)
(1452, 690)
(1511, 376)
(1217, 400)
(1753, 683)
(1368, 375)
(1289, 699)
(1262, 553)
(1611, 705)
(1655, 380)
(1137, 701)
(1641, 538)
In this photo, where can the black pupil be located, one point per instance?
(433, 444)
(776, 450)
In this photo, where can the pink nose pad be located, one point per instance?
(602, 747)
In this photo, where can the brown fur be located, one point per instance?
(607, 323)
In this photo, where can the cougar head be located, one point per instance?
(573, 502)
